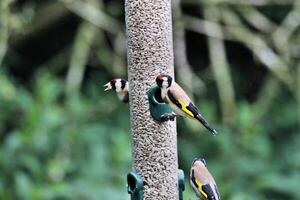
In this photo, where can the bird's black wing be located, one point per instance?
(192, 108)
(194, 179)
(209, 192)
(173, 99)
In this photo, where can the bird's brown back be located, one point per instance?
(202, 174)
(179, 93)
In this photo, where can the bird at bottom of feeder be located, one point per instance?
(177, 99)
(202, 181)
(120, 86)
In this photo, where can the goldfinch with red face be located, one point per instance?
(176, 98)
(120, 86)
(202, 181)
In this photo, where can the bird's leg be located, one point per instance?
(164, 117)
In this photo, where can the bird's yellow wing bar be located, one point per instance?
(200, 189)
(184, 109)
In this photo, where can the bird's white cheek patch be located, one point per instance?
(118, 86)
(165, 84)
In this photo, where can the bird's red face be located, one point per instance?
(164, 81)
(160, 78)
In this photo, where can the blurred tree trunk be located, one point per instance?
(184, 71)
(269, 91)
(79, 57)
(221, 70)
(81, 50)
(150, 52)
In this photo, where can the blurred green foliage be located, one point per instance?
(62, 137)
(56, 147)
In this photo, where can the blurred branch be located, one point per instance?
(79, 57)
(257, 19)
(294, 46)
(236, 31)
(4, 22)
(119, 54)
(112, 58)
(205, 27)
(269, 91)
(220, 69)
(241, 2)
(259, 47)
(283, 32)
(183, 69)
(93, 15)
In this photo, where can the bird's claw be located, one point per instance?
(172, 116)
(168, 117)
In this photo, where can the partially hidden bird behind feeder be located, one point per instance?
(202, 181)
(120, 86)
(176, 98)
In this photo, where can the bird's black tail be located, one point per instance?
(206, 124)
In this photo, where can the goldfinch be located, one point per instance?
(202, 181)
(120, 86)
(176, 98)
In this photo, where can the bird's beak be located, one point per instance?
(107, 86)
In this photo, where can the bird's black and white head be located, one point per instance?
(199, 161)
(116, 84)
(164, 81)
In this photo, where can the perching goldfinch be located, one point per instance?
(175, 97)
(120, 86)
(202, 181)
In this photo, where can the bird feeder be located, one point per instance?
(135, 186)
(158, 109)
(181, 186)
